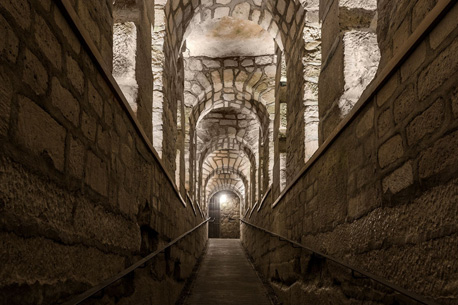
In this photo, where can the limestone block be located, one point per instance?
(48, 43)
(439, 157)
(202, 79)
(88, 126)
(103, 139)
(404, 104)
(75, 74)
(281, 6)
(247, 62)
(6, 93)
(67, 31)
(40, 133)
(361, 58)
(426, 123)
(240, 80)
(230, 63)
(228, 78)
(82, 264)
(221, 12)
(455, 103)
(390, 151)
(366, 123)
(62, 99)
(194, 64)
(398, 180)
(441, 69)
(34, 74)
(95, 100)
(76, 158)
(255, 15)
(211, 64)
(20, 10)
(93, 28)
(96, 223)
(9, 45)
(96, 174)
(241, 11)
(384, 123)
(124, 60)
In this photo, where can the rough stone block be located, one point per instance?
(48, 43)
(95, 100)
(96, 174)
(6, 93)
(455, 103)
(366, 123)
(65, 102)
(404, 104)
(86, 265)
(390, 151)
(88, 126)
(399, 179)
(401, 35)
(384, 123)
(440, 157)
(67, 31)
(363, 203)
(34, 74)
(426, 123)
(75, 74)
(76, 158)
(96, 223)
(20, 10)
(40, 133)
(9, 44)
(440, 70)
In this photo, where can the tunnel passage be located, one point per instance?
(334, 123)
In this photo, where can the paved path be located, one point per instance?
(226, 277)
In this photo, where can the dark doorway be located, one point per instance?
(215, 215)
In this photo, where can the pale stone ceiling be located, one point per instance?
(229, 36)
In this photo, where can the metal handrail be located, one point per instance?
(89, 293)
(412, 295)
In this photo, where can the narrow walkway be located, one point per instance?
(226, 277)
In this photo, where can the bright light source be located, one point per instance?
(222, 199)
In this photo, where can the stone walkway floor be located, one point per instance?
(226, 277)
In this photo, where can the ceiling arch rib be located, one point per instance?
(249, 85)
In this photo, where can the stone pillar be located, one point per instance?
(157, 63)
(131, 56)
(350, 58)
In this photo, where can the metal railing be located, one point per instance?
(91, 292)
(411, 295)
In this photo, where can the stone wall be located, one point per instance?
(82, 196)
(230, 215)
(383, 196)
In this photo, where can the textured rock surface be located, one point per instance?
(83, 195)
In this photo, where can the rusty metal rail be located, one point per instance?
(89, 293)
(411, 295)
